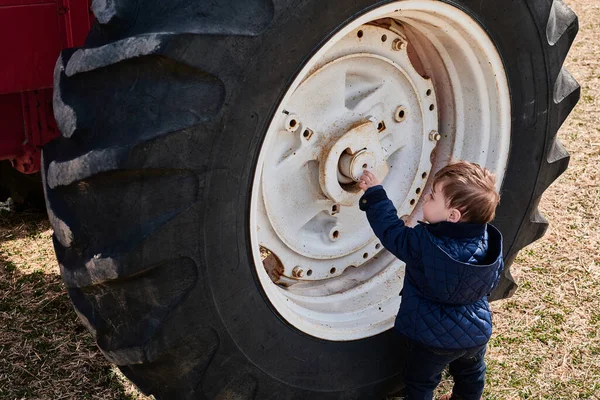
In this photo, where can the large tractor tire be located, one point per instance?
(199, 137)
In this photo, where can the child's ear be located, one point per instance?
(454, 216)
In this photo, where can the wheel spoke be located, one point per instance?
(395, 141)
(326, 92)
(363, 91)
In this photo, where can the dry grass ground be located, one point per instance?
(45, 352)
(547, 337)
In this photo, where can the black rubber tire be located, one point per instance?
(148, 189)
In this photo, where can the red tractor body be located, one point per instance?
(33, 32)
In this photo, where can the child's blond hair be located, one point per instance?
(470, 189)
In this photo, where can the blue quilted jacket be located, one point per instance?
(451, 268)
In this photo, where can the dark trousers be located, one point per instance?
(424, 365)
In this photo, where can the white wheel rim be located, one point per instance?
(432, 75)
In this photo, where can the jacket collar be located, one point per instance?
(457, 230)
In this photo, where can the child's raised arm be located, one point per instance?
(395, 236)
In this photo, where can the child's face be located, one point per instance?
(435, 208)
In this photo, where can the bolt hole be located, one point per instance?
(309, 272)
(377, 246)
(424, 175)
(379, 126)
(366, 255)
(412, 202)
(306, 133)
(332, 271)
(418, 190)
(334, 208)
(384, 38)
(428, 92)
(364, 166)
(431, 107)
(359, 34)
(400, 114)
(292, 123)
(336, 234)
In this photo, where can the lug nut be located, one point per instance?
(398, 45)
(298, 272)
(434, 135)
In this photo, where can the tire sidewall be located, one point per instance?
(253, 324)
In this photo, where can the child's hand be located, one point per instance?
(368, 180)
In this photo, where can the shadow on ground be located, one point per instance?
(45, 352)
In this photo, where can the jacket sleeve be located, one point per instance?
(498, 275)
(395, 236)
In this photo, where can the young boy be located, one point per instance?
(452, 265)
